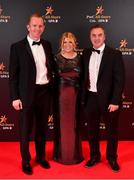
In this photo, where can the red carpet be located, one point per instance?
(10, 164)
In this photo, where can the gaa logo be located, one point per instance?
(3, 18)
(49, 16)
(4, 125)
(3, 72)
(123, 47)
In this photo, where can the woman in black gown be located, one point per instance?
(67, 145)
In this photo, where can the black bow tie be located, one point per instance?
(95, 50)
(36, 43)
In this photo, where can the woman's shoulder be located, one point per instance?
(59, 59)
(57, 56)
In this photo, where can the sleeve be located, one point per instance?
(118, 78)
(14, 73)
(82, 78)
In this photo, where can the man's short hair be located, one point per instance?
(95, 27)
(35, 15)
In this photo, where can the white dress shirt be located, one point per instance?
(40, 62)
(94, 66)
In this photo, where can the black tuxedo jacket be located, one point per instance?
(110, 81)
(22, 70)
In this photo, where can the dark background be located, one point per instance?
(75, 16)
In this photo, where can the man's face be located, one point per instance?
(36, 27)
(97, 37)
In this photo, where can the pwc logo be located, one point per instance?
(98, 16)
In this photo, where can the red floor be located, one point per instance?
(10, 165)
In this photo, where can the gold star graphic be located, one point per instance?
(2, 67)
(50, 119)
(49, 10)
(1, 10)
(99, 10)
(3, 119)
(123, 43)
(123, 96)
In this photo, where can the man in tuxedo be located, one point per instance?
(102, 87)
(30, 82)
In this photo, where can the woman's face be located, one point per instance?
(68, 45)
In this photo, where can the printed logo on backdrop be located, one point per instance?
(126, 104)
(3, 72)
(132, 124)
(123, 47)
(79, 51)
(1, 10)
(99, 16)
(50, 16)
(102, 125)
(4, 124)
(50, 122)
(3, 18)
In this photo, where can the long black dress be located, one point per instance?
(67, 146)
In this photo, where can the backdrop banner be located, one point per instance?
(117, 16)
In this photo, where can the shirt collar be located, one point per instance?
(30, 40)
(101, 48)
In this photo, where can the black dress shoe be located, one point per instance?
(27, 169)
(44, 163)
(114, 165)
(92, 162)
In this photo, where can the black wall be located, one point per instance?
(76, 16)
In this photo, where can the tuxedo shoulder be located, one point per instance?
(18, 43)
(86, 51)
(113, 50)
(45, 41)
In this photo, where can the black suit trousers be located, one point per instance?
(36, 114)
(93, 114)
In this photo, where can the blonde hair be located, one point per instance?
(69, 35)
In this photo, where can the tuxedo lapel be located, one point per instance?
(29, 50)
(44, 44)
(47, 52)
(103, 61)
(87, 60)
